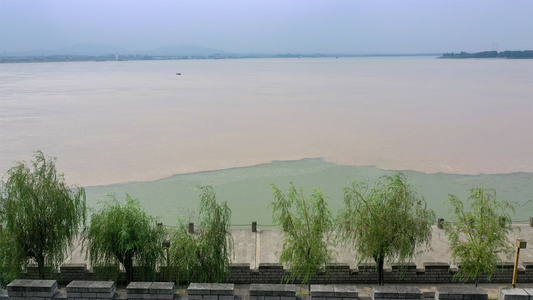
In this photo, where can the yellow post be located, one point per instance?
(520, 244)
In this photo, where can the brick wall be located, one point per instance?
(434, 272)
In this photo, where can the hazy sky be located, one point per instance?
(271, 26)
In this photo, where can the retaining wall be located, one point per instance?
(434, 272)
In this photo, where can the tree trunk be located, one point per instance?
(128, 266)
(380, 261)
(40, 265)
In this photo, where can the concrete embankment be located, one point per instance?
(264, 246)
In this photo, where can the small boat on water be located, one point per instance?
(178, 73)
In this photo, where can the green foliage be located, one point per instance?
(40, 216)
(385, 223)
(307, 224)
(125, 234)
(477, 236)
(203, 256)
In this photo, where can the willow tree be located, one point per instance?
(40, 215)
(307, 224)
(479, 235)
(203, 256)
(385, 223)
(125, 234)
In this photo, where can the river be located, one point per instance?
(243, 124)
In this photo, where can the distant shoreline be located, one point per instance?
(120, 57)
(526, 54)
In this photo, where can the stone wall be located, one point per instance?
(211, 291)
(26, 289)
(516, 294)
(434, 272)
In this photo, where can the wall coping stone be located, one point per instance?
(151, 290)
(78, 286)
(211, 289)
(409, 292)
(270, 266)
(338, 265)
(91, 286)
(322, 290)
(513, 294)
(436, 264)
(163, 288)
(31, 285)
(32, 289)
(396, 292)
(334, 290)
(279, 290)
(404, 266)
(386, 291)
(463, 292)
(138, 288)
(346, 291)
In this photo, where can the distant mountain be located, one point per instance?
(92, 49)
(185, 51)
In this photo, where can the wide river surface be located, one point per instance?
(240, 125)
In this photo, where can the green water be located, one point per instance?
(248, 190)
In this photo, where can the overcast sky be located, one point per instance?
(271, 26)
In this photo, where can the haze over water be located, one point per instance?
(116, 122)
